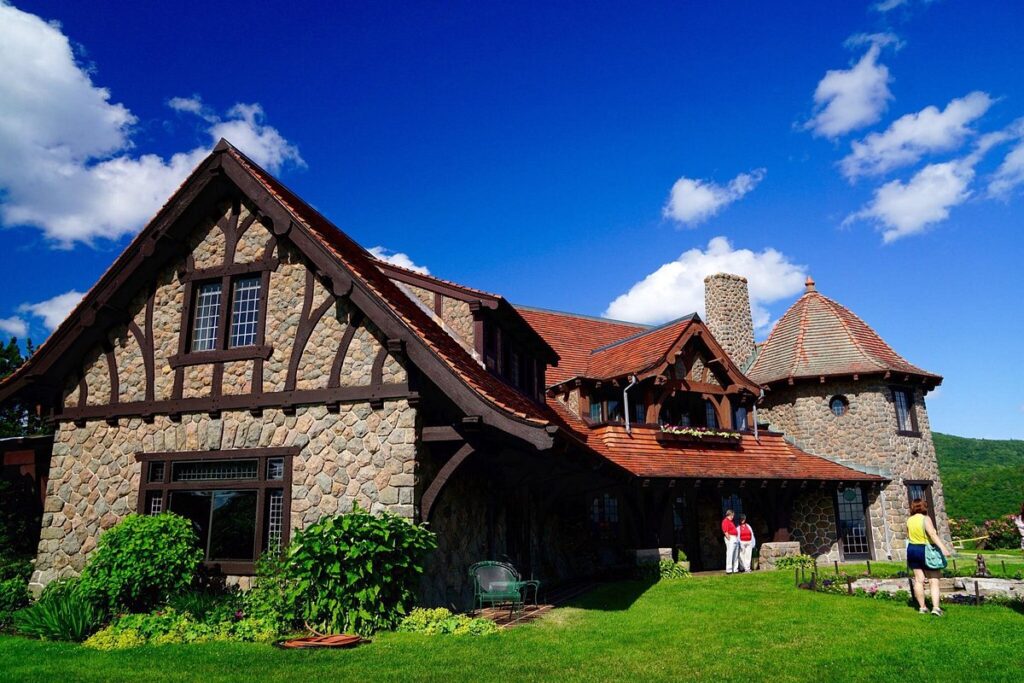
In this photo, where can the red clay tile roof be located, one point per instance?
(573, 337)
(818, 337)
(363, 265)
(636, 354)
(769, 456)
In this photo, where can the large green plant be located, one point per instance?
(61, 615)
(357, 572)
(142, 562)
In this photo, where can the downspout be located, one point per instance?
(755, 413)
(625, 400)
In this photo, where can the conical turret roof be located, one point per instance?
(818, 337)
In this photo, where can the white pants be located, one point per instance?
(746, 553)
(732, 547)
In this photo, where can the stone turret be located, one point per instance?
(727, 302)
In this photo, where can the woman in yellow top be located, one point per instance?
(921, 532)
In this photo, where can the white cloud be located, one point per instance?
(692, 200)
(908, 208)
(53, 311)
(848, 99)
(1009, 175)
(192, 105)
(912, 136)
(901, 209)
(889, 5)
(397, 258)
(677, 288)
(14, 326)
(68, 167)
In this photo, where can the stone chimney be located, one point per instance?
(728, 315)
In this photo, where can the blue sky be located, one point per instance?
(595, 159)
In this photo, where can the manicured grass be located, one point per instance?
(750, 627)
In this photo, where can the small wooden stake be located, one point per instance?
(796, 576)
(869, 567)
(1004, 567)
(954, 567)
(977, 593)
(837, 567)
(849, 585)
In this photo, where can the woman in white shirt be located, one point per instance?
(1019, 521)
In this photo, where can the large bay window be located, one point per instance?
(237, 501)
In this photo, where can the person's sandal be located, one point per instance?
(922, 610)
(938, 613)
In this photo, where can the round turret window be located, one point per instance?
(839, 405)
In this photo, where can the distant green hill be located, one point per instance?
(981, 478)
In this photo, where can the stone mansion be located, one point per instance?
(245, 364)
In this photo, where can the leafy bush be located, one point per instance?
(793, 561)
(141, 562)
(672, 570)
(440, 621)
(13, 596)
(356, 572)
(169, 626)
(62, 615)
(681, 556)
(270, 598)
(961, 527)
(1002, 534)
(206, 605)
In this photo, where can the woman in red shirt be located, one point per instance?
(746, 538)
(731, 542)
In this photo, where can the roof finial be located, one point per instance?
(809, 285)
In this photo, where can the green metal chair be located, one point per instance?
(498, 583)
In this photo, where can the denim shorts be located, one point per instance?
(915, 556)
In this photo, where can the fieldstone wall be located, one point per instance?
(355, 455)
(727, 303)
(814, 525)
(459, 318)
(864, 435)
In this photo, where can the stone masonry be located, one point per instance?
(865, 435)
(728, 315)
(358, 455)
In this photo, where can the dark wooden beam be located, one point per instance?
(447, 470)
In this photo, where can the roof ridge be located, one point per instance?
(663, 326)
(582, 316)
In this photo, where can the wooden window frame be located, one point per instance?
(915, 430)
(261, 484)
(226, 275)
(927, 485)
(868, 538)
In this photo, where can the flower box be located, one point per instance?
(706, 440)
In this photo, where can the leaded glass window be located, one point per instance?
(207, 315)
(710, 416)
(213, 470)
(904, 410)
(852, 522)
(245, 311)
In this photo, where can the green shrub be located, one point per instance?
(356, 572)
(794, 561)
(270, 599)
(13, 596)
(110, 639)
(681, 556)
(205, 605)
(141, 562)
(167, 627)
(668, 569)
(440, 621)
(15, 567)
(66, 615)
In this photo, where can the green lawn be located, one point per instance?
(720, 628)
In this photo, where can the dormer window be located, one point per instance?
(710, 416)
